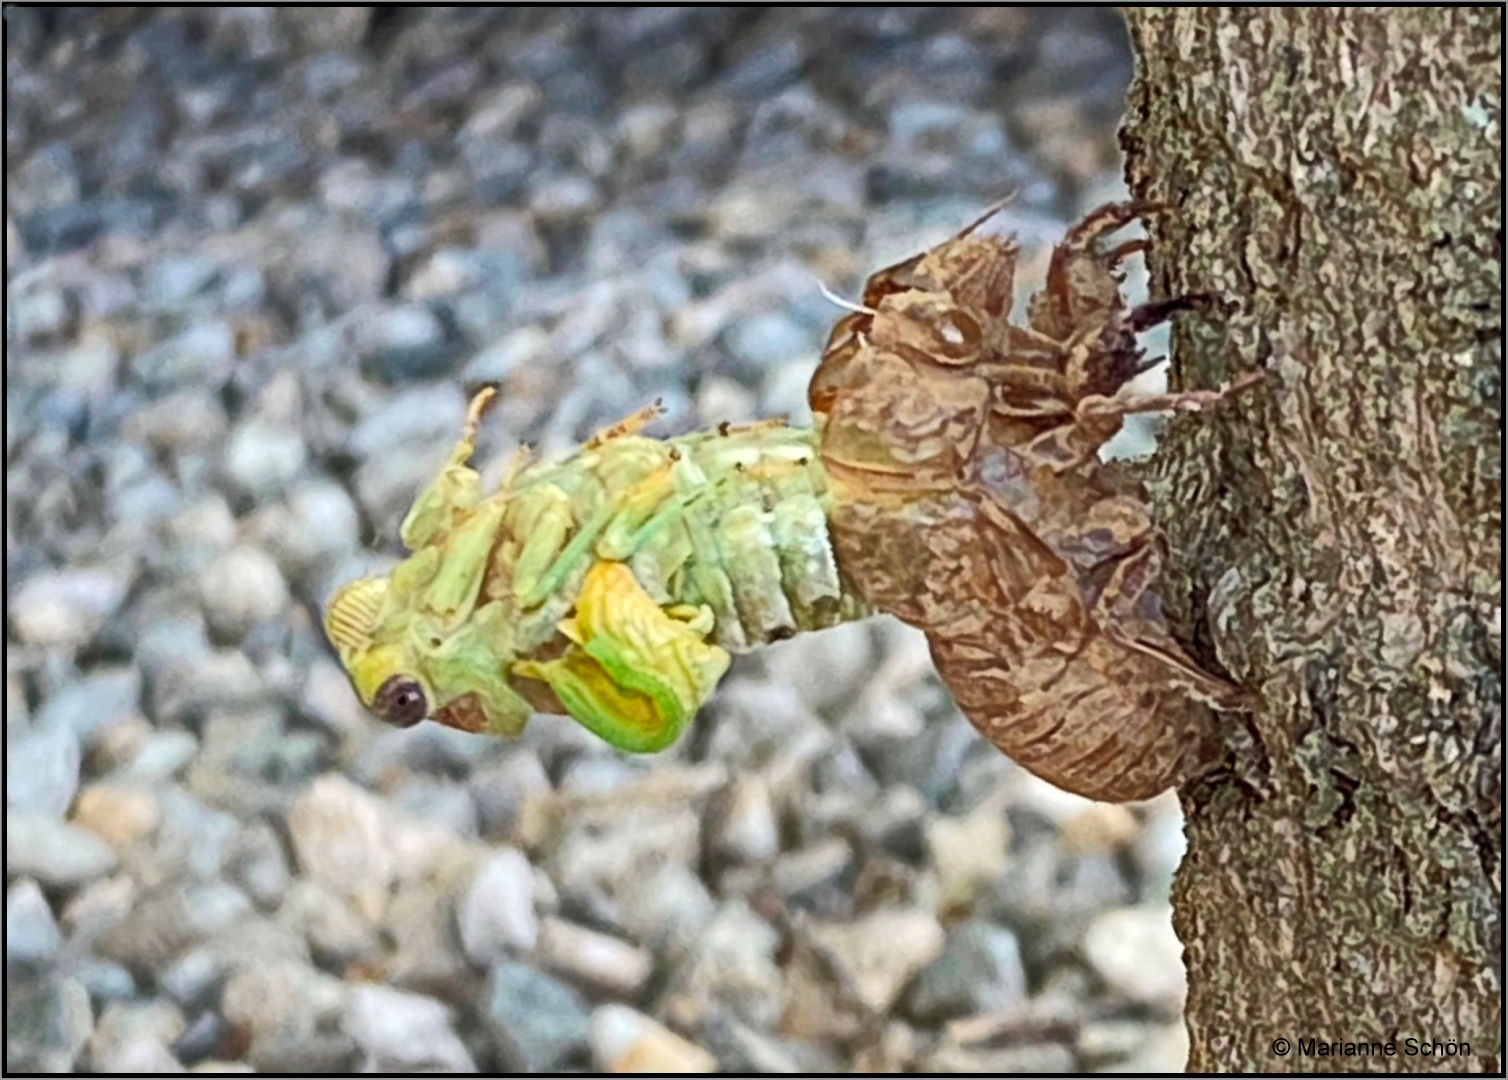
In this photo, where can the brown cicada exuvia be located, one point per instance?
(969, 500)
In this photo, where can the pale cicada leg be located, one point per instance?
(543, 522)
(752, 426)
(631, 424)
(456, 491)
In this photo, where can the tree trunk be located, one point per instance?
(1336, 177)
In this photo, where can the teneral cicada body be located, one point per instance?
(969, 500)
(612, 586)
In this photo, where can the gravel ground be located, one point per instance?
(255, 259)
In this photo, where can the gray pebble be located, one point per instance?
(353, 188)
(140, 493)
(339, 836)
(203, 530)
(512, 351)
(743, 1049)
(732, 964)
(1110, 1041)
(213, 906)
(503, 788)
(563, 200)
(599, 776)
(408, 344)
(645, 129)
(47, 1024)
(878, 953)
(591, 859)
(195, 833)
(89, 367)
(498, 114)
(1044, 1057)
(897, 824)
(1159, 849)
(968, 853)
(292, 1014)
(539, 1023)
(65, 608)
(336, 933)
(317, 30)
(1028, 900)
(160, 756)
(329, 700)
(403, 1032)
(439, 801)
(666, 908)
(978, 971)
(594, 959)
(240, 589)
(134, 1037)
(54, 852)
(499, 171)
(1167, 1051)
(625, 1040)
(816, 876)
(31, 933)
(1138, 954)
(1092, 882)
(445, 273)
(432, 415)
(263, 457)
(37, 311)
(50, 179)
(766, 69)
(829, 669)
(153, 933)
(743, 823)
(769, 339)
(420, 925)
(188, 678)
(931, 760)
(104, 979)
(42, 770)
(497, 912)
(202, 355)
(195, 978)
(172, 281)
(783, 392)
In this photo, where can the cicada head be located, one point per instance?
(352, 614)
(384, 676)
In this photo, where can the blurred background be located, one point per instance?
(255, 260)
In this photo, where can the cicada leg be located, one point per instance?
(631, 424)
(455, 492)
(1125, 404)
(1129, 612)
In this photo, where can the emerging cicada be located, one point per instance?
(951, 479)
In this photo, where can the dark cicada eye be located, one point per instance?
(400, 701)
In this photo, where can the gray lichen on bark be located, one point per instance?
(1336, 177)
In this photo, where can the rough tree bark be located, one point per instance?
(1336, 175)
